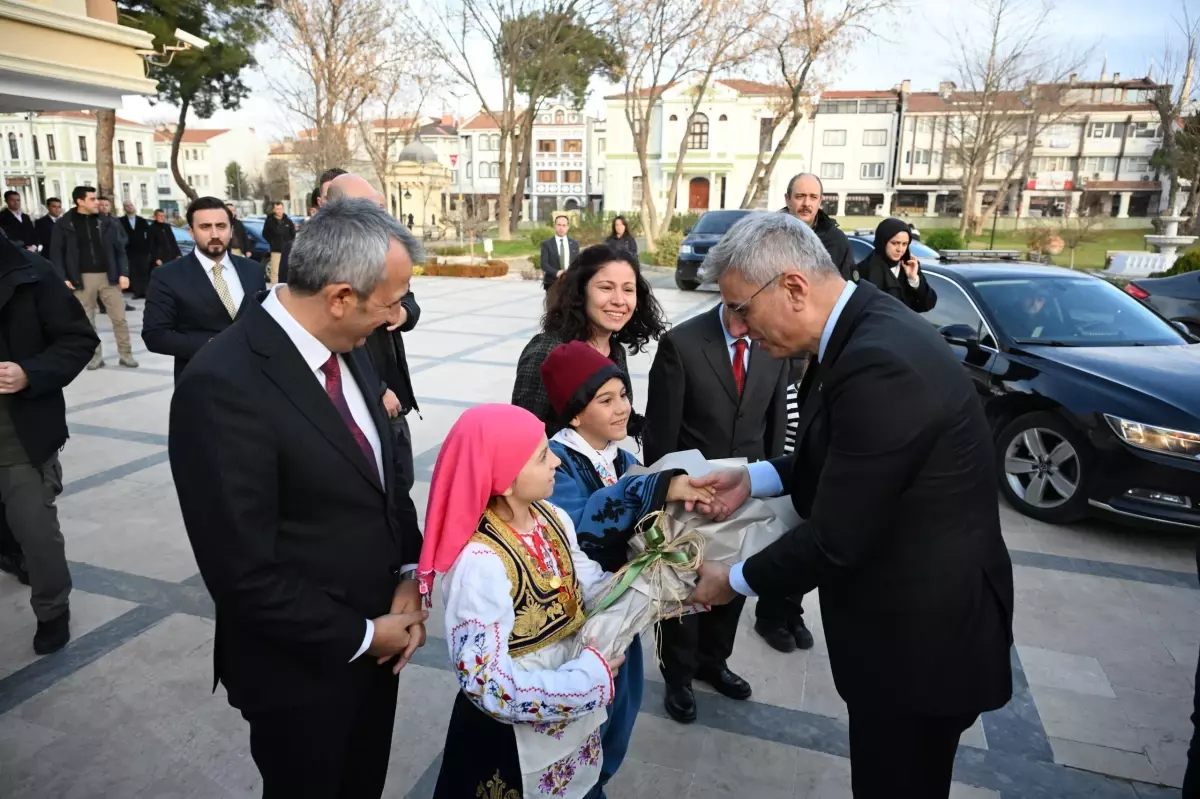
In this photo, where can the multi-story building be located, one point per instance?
(1095, 157)
(49, 153)
(203, 158)
(558, 174)
(597, 144)
(852, 137)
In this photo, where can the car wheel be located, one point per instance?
(685, 284)
(1044, 467)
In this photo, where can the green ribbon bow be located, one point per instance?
(656, 549)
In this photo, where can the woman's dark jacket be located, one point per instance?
(876, 269)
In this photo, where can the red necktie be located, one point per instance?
(739, 364)
(333, 387)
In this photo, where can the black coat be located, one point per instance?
(297, 540)
(161, 241)
(626, 244)
(902, 524)
(137, 238)
(875, 269)
(693, 401)
(279, 233)
(64, 250)
(21, 231)
(44, 330)
(183, 311)
(43, 231)
(238, 240)
(387, 355)
(551, 263)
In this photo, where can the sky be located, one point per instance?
(914, 42)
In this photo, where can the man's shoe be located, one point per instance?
(129, 307)
(52, 635)
(95, 363)
(15, 565)
(777, 637)
(727, 683)
(680, 703)
(128, 362)
(804, 639)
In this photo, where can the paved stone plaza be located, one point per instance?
(1107, 628)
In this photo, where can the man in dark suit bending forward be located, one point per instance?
(902, 529)
(282, 458)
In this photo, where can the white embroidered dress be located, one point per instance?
(554, 701)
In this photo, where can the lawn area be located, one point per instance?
(1089, 255)
(514, 248)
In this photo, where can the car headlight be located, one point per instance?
(1156, 439)
(685, 249)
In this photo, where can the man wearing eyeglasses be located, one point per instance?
(711, 389)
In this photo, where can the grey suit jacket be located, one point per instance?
(693, 401)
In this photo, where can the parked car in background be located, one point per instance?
(183, 237)
(698, 241)
(1093, 397)
(259, 249)
(1176, 297)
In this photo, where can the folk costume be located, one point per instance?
(526, 722)
(605, 505)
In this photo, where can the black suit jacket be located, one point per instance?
(43, 229)
(551, 263)
(693, 401)
(878, 273)
(137, 237)
(183, 311)
(18, 231)
(296, 538)
(894, 473)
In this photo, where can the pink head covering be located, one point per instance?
(482, 455)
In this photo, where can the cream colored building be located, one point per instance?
(203, 156)
(47, 154)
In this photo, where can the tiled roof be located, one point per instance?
(752, 87)
(190, 135)
(89, 115)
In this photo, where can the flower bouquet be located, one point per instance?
(665, 553)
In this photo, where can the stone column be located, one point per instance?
(1076, 204)
(714, 191)
(887, 202)
(1026, 199)
(841, 206)
(931, 203)
(1123, 204)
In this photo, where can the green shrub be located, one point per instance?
(666, 249)
(1188, 262)
(537, 261)
(634, 218)
(452, 251)
(682, 222)
(591, 228)
(539, 234)
(943, 239)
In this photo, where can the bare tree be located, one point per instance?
(1011, 86)
(332, 53)
(1175, 94)
(660, 42)
(274, 184)
(106, 125)
(801, 38)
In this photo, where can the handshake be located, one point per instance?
(398, 634)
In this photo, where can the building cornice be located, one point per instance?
(41, 68)
(40, 15)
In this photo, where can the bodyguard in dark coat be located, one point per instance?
(553, 250)
(45, 342)
(804, 196)
(892, 269)
(901, 527)
(16, 225)
(43, 228)
(161, 240)
(137, 249)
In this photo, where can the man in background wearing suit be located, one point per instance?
(558, 252)
(713, 390)
(16, 225)
(282, 459)
(163, 246)
(137, 249)
(43, 228)
(901, 529)
(192, 299)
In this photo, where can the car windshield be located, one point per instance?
(1069, 311)
(718, 222)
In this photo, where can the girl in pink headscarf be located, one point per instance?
(527, 719)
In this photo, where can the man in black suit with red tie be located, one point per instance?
(901, 529)
(192, 299)
(714, 390)
(282, 458)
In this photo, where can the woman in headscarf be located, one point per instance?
(526, 721)
(893, 269)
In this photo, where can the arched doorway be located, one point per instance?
(698, 195)
(571, 205)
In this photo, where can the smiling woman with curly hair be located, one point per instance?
(603, 300)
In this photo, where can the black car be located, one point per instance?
(863, 244)
(1176, 297)
(1094, 398)
(698, 241)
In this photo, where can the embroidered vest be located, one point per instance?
(542, 618)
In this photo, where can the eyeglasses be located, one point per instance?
(740, 310)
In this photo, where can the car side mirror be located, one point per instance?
(960, 334)
(1181, 326)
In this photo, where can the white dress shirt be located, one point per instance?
(764, 479)
(236, 292)
(315, 354)
(730, 340)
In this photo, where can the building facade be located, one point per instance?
(47, 154)
(203, 157)
(853, 139)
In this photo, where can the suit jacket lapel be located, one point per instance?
(246, 275)
(284, 367)
(201, 286)
(370, 393)
(760, 377)
(719, 355)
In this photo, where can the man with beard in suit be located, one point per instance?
(192, 299)
(901, 529)
(282, 458)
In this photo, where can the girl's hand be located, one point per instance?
(682, 490)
